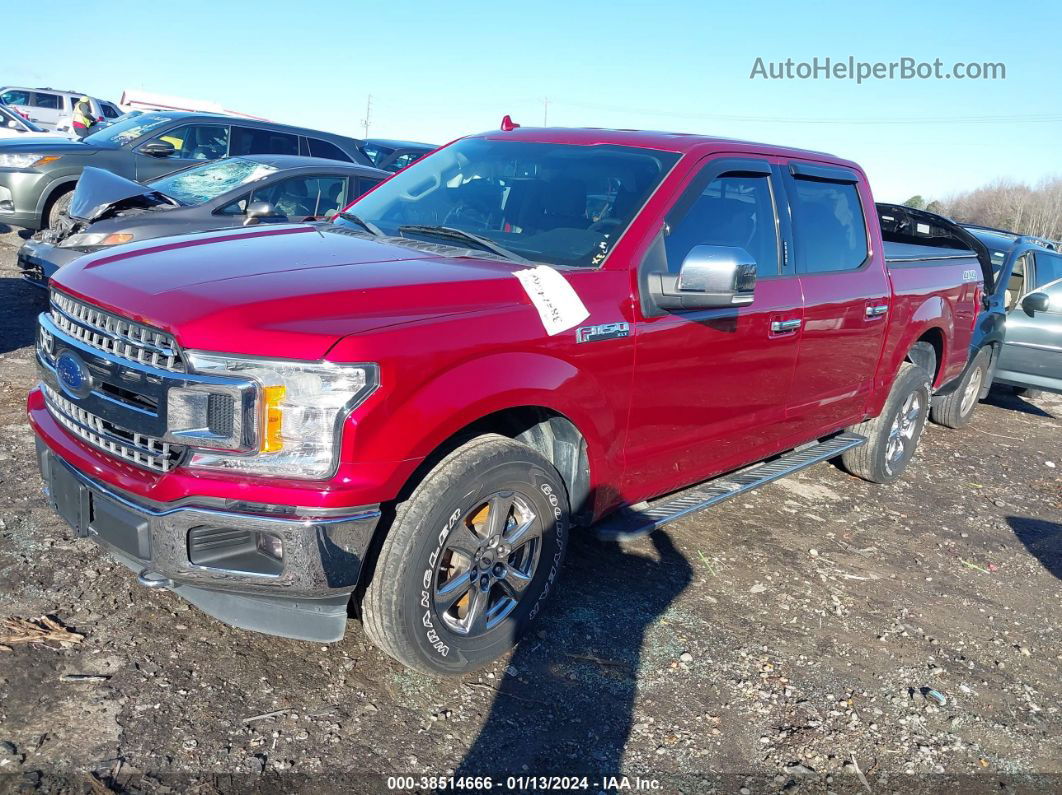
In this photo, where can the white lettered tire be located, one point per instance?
(469, 559)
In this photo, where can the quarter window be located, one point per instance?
(731, 211)
(319, 148)
(829, 231)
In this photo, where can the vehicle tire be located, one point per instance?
(924, 355)
(470, 558)
(956, 410)
(893, 435)
(59, 205)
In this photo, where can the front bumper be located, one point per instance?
(20, 195)
(39, 261)
(306, 596)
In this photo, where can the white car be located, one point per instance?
(52, 109)
(13, 125)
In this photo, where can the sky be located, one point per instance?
(439, 70)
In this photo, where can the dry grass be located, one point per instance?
(42, 630)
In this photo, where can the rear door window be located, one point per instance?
(319, 148)
(365, 184)
(257, 141)
(110, 111)
(49, 101)
(1048, 268)
(829, 231)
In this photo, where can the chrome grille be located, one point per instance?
(145, 451)
(115, 335)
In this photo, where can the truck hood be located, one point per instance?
(99, 192)
(289, 290)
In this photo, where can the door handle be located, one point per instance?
(876, 310)
(783, 326)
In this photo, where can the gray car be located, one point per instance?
(37, 178)
(108, 210)
(1028, 293)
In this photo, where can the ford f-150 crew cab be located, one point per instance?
(404, 412)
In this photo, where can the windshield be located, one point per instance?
(8, 116)
(203, 183)
(126, 130)
(557, 203)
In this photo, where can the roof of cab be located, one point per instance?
(652, 139)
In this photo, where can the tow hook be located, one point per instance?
(153, 579)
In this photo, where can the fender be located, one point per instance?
(443, 406)
(933, 313)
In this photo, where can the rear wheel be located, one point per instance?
(470, 558)
(956, 410)
(893, 435)
(59, 206)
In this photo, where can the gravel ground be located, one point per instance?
(821, 633)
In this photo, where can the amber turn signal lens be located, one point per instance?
(274, 416)
(115, 238)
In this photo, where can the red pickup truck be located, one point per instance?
(404, 412)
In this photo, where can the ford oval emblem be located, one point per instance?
(73, 375)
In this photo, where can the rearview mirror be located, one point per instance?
(262, 211)
(158, 149)
(1035, 302)
(710, 276)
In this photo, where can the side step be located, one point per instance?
(640, 520)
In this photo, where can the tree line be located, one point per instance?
(1005, 204)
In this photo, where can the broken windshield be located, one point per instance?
(203, 183)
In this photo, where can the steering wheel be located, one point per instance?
(467, 215)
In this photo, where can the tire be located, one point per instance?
(424, 603)
(59, 205)
(925, 356)
(956, 410)
(880, 460)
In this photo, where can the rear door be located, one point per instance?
(711, 385)
(49, 109)
(846, 295)
(1032, 348)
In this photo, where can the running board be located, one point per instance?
(641, 520)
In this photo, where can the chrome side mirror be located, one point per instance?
(710, 276)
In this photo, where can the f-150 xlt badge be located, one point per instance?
(603, 331)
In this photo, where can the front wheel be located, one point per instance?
(470, 558)
(956, 410)
(893, 435)
(59, 206)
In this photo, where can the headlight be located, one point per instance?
(302, 406)
(25, 161)
(87, 239)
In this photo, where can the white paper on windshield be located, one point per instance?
(557, 303)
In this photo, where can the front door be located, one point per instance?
(846, 295)
(710, 386)
(192, 144)
(1032, 349)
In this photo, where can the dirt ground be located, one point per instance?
(821, 633)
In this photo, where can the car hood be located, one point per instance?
(290, 290)
(99, 191)
(49, 146)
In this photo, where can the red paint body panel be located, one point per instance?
(456, 339)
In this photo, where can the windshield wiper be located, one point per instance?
(468, 237)
(368, 226)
